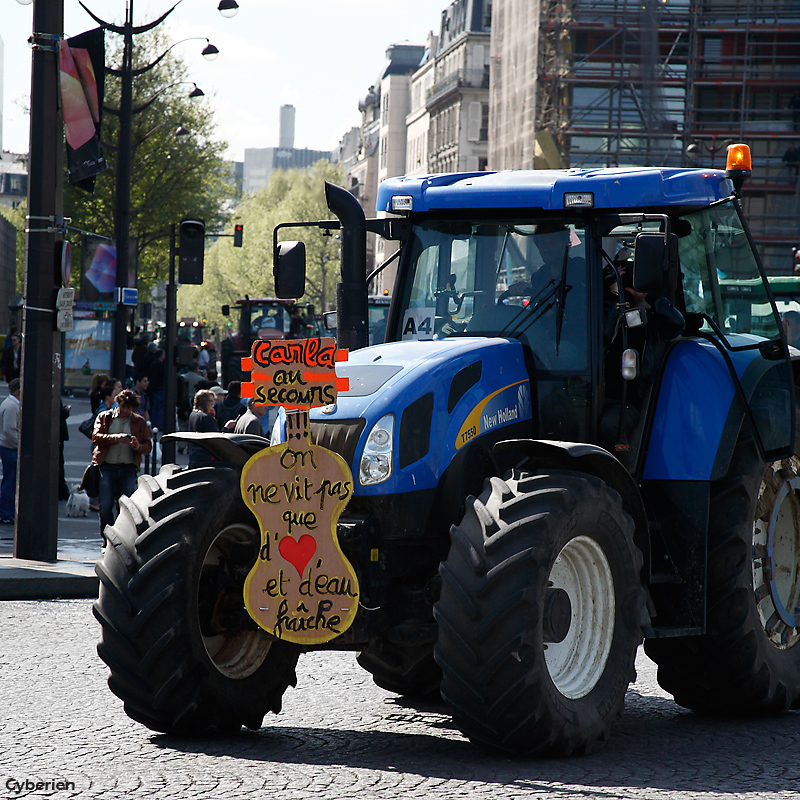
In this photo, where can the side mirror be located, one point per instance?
(653, 256)
(226, 311)
(330, 319)
(289, 270)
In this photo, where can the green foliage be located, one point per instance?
(172, 177)
(230, 273)
(16, 216)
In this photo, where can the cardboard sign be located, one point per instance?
(301, 588)
(297, 374)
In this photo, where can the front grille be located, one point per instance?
(339, 435)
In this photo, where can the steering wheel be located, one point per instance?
(518, 289)
(444, 326)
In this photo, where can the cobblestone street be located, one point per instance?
(340, 736)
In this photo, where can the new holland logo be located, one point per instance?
(524, 401)
(510, 404)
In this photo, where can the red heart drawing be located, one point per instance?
(298, 553)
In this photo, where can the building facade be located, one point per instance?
(261, 162)
(13, 179)
(418, 119)
(458, 100)
(645, 82)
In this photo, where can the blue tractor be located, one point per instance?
(576, 436)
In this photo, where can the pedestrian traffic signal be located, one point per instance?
(191, 247)
(238, 234)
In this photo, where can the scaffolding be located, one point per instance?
(672, 82)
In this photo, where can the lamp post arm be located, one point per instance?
(141, 70)
(122, 29)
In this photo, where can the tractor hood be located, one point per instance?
(441, 394)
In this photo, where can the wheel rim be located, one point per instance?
(237, 654)
(577, 662)
(776, 554)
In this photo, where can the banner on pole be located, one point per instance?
(81, 61)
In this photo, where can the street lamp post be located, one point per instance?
(170, 345)
(36, 533)
(36, 519)
(126, 73)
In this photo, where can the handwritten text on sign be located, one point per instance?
(302, 588)
(294, 373)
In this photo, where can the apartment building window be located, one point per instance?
(484, 132)
(384, 152)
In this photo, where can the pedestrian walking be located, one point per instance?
(100, 379)
(201, 420)
(231, 408)
(250, 421)
(156, 374)
(11, 360)
(9, 444)
(63, 436)
(121, 437)
(140, 384)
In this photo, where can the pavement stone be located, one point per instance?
(339, 736)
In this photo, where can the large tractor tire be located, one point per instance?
(748, 661)
(409, 672)
(540, 614)
(184, 655)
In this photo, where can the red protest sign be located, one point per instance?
(297, 374)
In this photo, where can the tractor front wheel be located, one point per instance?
(540, 614)
(184, 655)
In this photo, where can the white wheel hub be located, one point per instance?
(776, 554)
(237, 654)
(576, 663)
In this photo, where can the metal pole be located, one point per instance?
(123, 220)
(170, 388)
(36, 533)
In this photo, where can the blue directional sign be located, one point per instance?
(130, 296)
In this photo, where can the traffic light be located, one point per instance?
(238, 233)
(796, 260)
(191, 246)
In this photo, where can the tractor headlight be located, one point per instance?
(376, 460)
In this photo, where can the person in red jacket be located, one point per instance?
(120, 439)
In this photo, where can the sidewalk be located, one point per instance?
(78, 548)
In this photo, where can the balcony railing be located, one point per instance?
(462, 78)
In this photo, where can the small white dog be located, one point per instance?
(78, 503)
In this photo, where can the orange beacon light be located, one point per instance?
(738, 166)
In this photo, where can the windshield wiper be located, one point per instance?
(536, 307)
(561, 300)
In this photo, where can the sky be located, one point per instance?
(320, 56)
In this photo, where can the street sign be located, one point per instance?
(65, 319)
(65, 299)
(128, 296)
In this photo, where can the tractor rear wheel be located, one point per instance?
(184, 655)
(540, 614)
(749, 659)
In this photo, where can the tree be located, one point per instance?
(172, 177)
(230, 273)
(16, 216)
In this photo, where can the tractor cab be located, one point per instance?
(596, 299)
